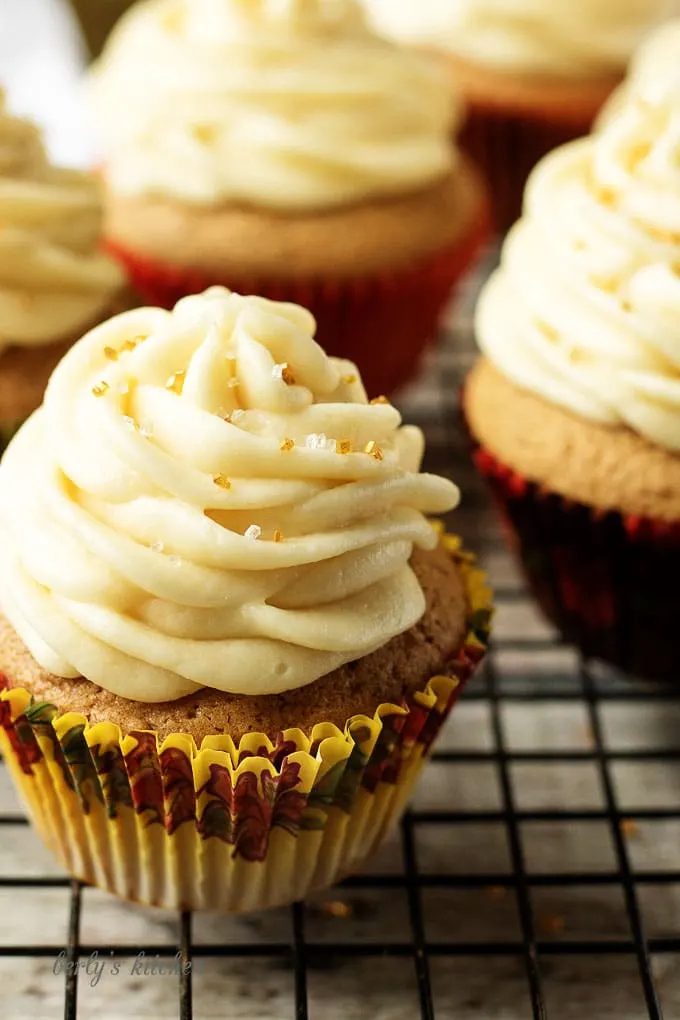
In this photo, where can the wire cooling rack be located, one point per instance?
(536, 874)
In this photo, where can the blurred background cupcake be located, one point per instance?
(287, 150)
(533, 73)
(55, 283)
(575, 406)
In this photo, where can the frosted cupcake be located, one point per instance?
(576, 404)
(533, 74)
(54, 281)
(227, 620)
(287, 150)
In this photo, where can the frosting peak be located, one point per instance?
(293, 105)
(220, 505)
(585, 309)
(53, 279)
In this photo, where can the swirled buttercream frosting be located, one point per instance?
(53, 279)
(205, 499)
(585, 308)
(294, 105)
(552, 37)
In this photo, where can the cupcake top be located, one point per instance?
(585, 308)
(656, 60)
(551, 37)
(205, 499)
(292, 105)
(53, 279)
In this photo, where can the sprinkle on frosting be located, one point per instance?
(373, 450)
(284, 373)
(99, 597)
(176, 381)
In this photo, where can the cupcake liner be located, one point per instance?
(606, 580)
(506, 145)
(382, 322)
(228, 827)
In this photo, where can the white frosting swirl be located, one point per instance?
(585, 309)
(157, 541)
(655, 63)
(565, 37)
(53, 279)
(290, 105)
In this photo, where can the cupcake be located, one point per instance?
(54, 281)
(533, 74)
(575, 407)
(229, 633)
(284, 149)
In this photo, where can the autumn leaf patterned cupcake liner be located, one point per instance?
(382, 322)
(228, 827)
(607, 581)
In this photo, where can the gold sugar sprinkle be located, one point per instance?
(606, 196)
(222, 481)
(278, 537)
(349, 380)
(373, 450)
(132, 342)
(549, 331)
(111, 353)
(608, 284)
(204, 133)
(286, 445)
(343, 446)
(379, 400)
(287, 376)
(100, 389)
(176, 381)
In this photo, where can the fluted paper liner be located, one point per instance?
(228, 827)
(607, 581)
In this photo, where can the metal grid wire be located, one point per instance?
(434, 405)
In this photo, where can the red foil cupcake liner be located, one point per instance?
(609, 582)
(383, 323)
(506, 145)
